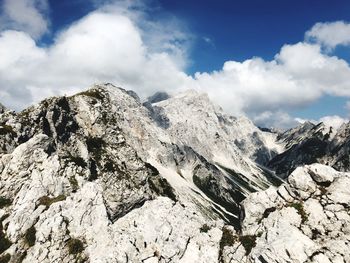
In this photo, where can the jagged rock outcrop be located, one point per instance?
(306, 145)
(102, 177)
(310, 143)
(304, 220)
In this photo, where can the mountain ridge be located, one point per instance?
(101, 176)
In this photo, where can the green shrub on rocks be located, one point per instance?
(228, 238)
(6, 129)
(4, 242)
(5, 258)
(300, 209)
(30, 236)
(75, 246)
(248, 242)
(204, 228)
(73, 183)
(4, 202)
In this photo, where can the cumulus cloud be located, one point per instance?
(335, 121)
(26, 15)
(298, 75)
(119, 43)
(330, 34)
(101, 47)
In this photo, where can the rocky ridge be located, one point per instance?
(306, 219)
(102, 177)
(310, 143)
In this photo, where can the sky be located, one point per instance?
(278, 62)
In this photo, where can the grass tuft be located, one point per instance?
(75, 246)
(30, 236)
(5, 258)
(248, 242)
(4, 202)
(5, 243)
(204, 228)
(301, 211)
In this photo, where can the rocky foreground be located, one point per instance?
(101, 177)
(304, 220)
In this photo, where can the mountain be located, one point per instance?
(103, 177)
(310, 143)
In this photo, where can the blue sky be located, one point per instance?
(244, 29)
(237, 30)
(242, 53)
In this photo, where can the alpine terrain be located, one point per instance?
(102, 176)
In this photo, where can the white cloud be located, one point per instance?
(101, 47)
(26, 15)
(330, 34)
(335, 121)
(273, 119)
(119, 43)
(299, 75)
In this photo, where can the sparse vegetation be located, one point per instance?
(109, 166)
(161, 187)
(96, 146)
(5, 258)
(30, 236)
(5, 243)
(248, 242)
(75, 246)
(6, 129)
(204, 228)
(73, 183)
(227, 239)
(47, 201)
(4, 202)
(76, 160)
(301, 211)
(323, 190)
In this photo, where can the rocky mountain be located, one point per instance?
(103, 177)
(306, 219)
(310, 143)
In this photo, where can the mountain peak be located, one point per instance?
(109, 177)
(158, 96)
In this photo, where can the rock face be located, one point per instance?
(310, 143)
(102, 177)
(304, 220)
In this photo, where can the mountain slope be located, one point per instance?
(310, 143)
(101, 156)
(102, 177)
(304, 220)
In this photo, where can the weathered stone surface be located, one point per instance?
(310, 226)
(98, 177)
